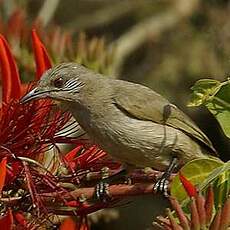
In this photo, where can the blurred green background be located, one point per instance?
(164, 44)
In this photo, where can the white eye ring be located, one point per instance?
(72, 85)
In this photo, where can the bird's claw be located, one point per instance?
(163, 182)
(161, 186)
(102, 191)
(128, 180)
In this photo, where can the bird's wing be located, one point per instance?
(145, 104)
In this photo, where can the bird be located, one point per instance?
(129, 121)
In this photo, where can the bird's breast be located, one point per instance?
(138, 142)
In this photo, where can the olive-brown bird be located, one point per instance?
(129, 121)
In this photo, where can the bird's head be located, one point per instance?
(61, 83)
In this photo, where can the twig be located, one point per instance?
(8, 7)
(87, 194)
(10, 200)
(136, 176)
(47, 11)
(30, 184)
(150, 28)
(104, 16)
(89, 178)
(116, 191)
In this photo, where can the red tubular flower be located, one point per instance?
(42, 59)
(25, 128)
(91, 158)
(188, 186)
(68, 224)
(6, 222)
(209, 204)
(16, 25)
(20, 218)
(2, 173)
(26, 131)
(86, 159)
(10, 77)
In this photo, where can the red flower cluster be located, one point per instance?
(202, 213)
(26, 132)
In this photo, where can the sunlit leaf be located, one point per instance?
(203, 90)
(195, 171)
(215, 96)
(221, 179)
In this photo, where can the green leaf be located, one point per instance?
(215, 96)
(195, 171)
(203, 90)
(220, 177)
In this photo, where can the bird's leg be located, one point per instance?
(102, 188)
(162, 183)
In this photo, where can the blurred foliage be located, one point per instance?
(91, 52)
(196, 47)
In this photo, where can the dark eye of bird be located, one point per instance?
(58, 82)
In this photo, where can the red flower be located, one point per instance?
(26, 130)
(2, 173)
(42, 58)
(91, 158)
(70, 224)
(188, 186)
(10, 77)
(86, 159)
(6, 222)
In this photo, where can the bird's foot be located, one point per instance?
(163, 182)
(161, 186)
(102, 191)
(102, 188)
(128, 180)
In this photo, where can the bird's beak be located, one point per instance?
(34, 94)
